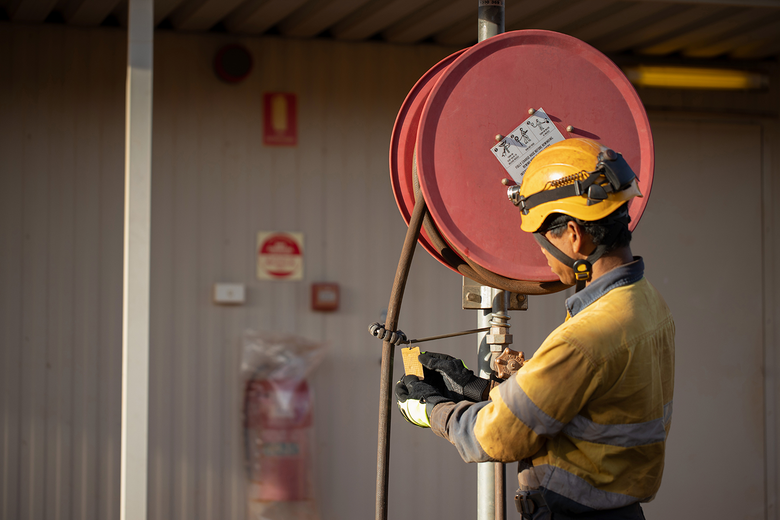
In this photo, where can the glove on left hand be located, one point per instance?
(457, 377)
(416, 400)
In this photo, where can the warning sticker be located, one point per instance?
(516, 150)
(279, 256)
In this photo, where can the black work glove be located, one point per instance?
(459, 380)
(416, 400)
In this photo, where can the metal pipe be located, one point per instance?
(444, 336)
(490, 476)
(490, 494)
(500, 488)
(485, 470)
(388, 355)
(490, 19)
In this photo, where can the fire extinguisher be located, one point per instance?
(277, 425)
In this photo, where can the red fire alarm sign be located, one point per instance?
(324, 296)
(280, 119)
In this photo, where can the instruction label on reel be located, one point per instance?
(533, 135)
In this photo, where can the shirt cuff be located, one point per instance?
(440, 416)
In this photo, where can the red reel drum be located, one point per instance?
(402, 143)
(488, 90)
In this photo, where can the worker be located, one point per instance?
(588, 415)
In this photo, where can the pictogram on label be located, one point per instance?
(533, 135)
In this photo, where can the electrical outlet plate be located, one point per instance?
(229, 293)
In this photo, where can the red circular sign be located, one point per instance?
(280, 256)
(488, 90)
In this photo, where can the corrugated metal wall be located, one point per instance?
(215, 187)
(61, 163)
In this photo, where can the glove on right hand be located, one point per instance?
(458, 379)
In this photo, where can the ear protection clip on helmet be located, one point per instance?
(612, 168)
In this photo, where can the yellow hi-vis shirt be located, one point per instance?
(592, 408)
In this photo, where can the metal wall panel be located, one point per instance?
(215, 187)
(719, 379)
(61, 264)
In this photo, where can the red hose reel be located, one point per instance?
(447, 125)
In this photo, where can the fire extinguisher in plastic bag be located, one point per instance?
(278, 423)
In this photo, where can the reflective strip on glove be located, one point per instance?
(416, 400)
(415, 412)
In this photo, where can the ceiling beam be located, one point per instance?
(570, 13)
(373, 17)
(701, 35)
(429, 19)
(164, 8)
(201, 15)
(760, 49)
(31, 11)
(612, 22)
(88, 12)
(316, 17)
(257, 16)
(737, 3)
(758, 30)
(685, 18)
(517, 14)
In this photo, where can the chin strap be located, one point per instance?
(583, 269)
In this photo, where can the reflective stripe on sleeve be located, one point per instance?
(460, 431)
(524, 409)
(624, 435)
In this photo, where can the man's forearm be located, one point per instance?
(455, 422)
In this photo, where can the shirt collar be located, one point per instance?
(625, 274)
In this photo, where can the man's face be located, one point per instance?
(561, 270)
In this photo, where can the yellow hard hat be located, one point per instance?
(577, 177)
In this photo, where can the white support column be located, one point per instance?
(135, 309)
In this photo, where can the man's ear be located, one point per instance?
(577, 238)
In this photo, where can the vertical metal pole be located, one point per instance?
(486, 470)
(490, 489)
(137, 225)
(490, 19)
(490, 23)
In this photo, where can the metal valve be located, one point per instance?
(509, 362)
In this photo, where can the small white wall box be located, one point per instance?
(229, 293)
(324, 296)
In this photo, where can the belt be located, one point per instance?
(529, 503)
(532, 506)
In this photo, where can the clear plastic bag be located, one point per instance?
(278, 425)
